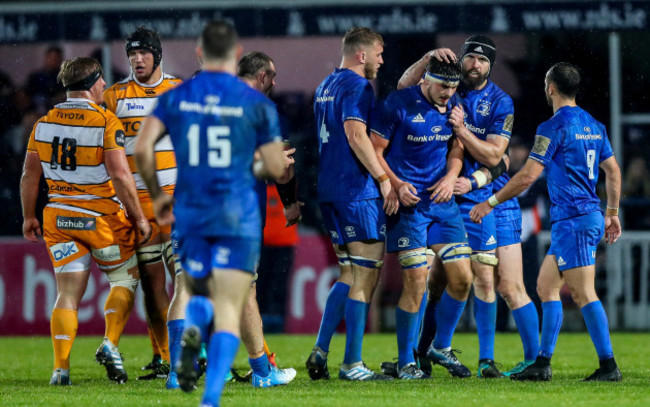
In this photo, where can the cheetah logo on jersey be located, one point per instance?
(150, 92)
(120, 138)
(483, 109)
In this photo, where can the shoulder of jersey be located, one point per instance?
(500, 94)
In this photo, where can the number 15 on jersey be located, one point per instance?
(219, 146)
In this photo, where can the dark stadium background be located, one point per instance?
(607, 39)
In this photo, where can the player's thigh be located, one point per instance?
(510, 267)
(549, 281)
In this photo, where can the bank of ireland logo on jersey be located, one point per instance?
(436, 129)
(403, 242)
(349, 230)
(63, 250)
(587, 129)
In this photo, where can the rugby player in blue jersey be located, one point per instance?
(351, 185)
(570, 147)
(216, 122)
(483, 122)
(411, 134)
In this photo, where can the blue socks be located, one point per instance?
(356, 313)
(260, 365)
(418, 322)
(448, 313)
(221, 353)
(598, 327)
(200, 313)
(485, 314)
(405, 322)
(528, 326)
(551, 324)
(333, 314)
(428, 327)
(175, 332)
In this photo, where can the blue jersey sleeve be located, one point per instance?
(268, 129)
(385, 118)
(546, 143)
(503, 118)
(606, 151)
(357, 103)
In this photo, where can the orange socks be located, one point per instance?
(63, 326)
(159, 331)
(117, 311)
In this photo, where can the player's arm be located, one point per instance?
(443, 190)
(272, 163)
(29, 180)
(613, 188)
(481, 177)
(356, 132)
(287, 190)
(413, 75)
(488, 152)
(518, 184)
(391, 203)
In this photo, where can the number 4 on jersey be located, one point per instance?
(323, 133)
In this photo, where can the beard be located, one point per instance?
(370, 71)
(472, 82)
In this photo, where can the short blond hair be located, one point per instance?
(76, 69)
(357, 37)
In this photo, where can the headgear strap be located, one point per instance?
(87, 82)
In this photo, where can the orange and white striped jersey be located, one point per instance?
(132, 101)
(70, 142)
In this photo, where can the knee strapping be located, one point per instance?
(367, 263)
(166, 249)
(344, 259)
(149, 254)
(413, 259)
(485, 258)
(430, 252)
(454, 252)
(120, 277)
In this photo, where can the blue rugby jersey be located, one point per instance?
(343, 95)
(571, 145)
(487, 111)
(419, 135)
(216, 122)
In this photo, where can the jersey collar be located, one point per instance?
(144, 85)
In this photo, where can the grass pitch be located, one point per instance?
(26, 365)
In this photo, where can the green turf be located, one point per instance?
(26, 363)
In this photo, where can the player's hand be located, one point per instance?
(162, 208)
(457, 120)
(144, 230)
(32, 229)
(391, 203)
(292, 213)
(612, 229)
(386, 188)
(462, 186)
(443, 190)
(443, 54)
(288, 158)
(479, 211)
(407, 194)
